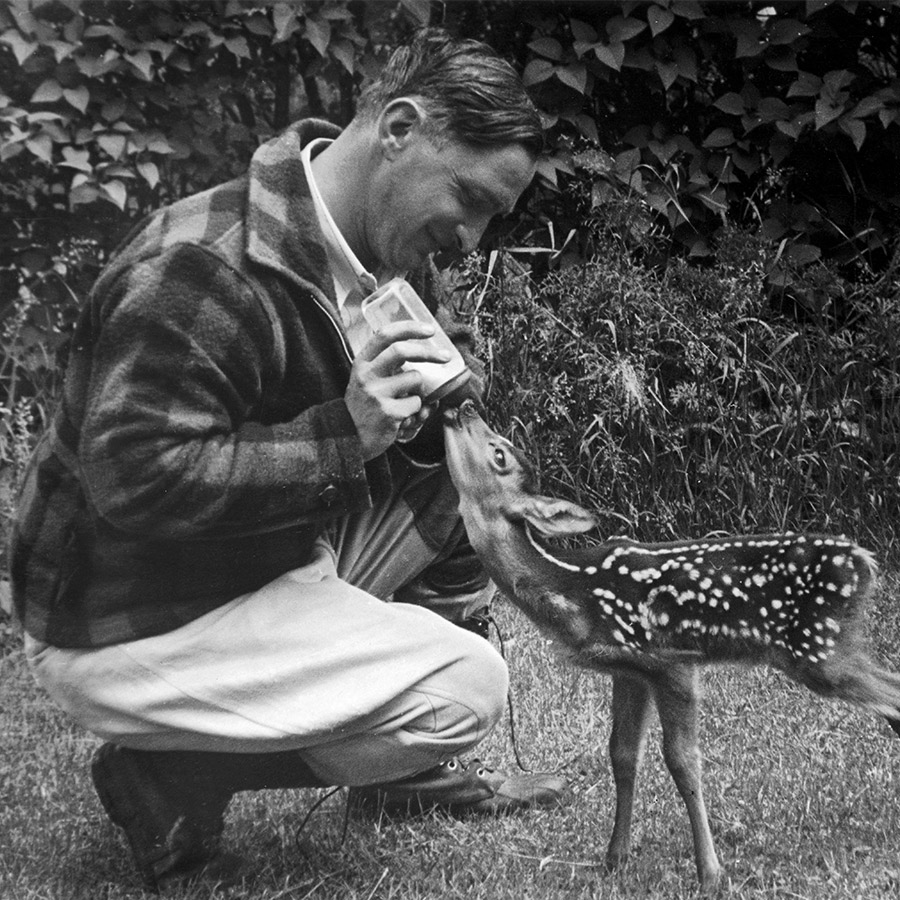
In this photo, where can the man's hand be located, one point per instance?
(381, 397)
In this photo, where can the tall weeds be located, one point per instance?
(680, 404)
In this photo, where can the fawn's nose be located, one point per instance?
(454, 416)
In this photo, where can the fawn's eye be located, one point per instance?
(499, 458)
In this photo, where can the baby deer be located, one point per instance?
(650, 614)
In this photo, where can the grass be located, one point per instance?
(802, 796)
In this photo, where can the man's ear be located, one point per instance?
(399, 123)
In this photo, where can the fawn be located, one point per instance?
(651, 614)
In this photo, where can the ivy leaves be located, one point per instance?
(99, 99)
(713, 104)
(708, 110)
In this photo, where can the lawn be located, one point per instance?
(802, 795)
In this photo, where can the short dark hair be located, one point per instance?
(469, 92)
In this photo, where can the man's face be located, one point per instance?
(434, 196)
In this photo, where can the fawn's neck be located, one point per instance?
(550, 586)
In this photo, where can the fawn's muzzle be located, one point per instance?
(455, 416)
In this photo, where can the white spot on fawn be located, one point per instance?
(649, 574)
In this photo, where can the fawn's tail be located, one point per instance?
(887, 687)
(879, 688)
(857, 679)
(876, 689)
(850, 673)
(885, 693)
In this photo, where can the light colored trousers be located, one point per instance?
(316, 661)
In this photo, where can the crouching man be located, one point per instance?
(237, 558)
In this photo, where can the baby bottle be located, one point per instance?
(396, 301)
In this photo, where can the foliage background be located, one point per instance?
(690, 317)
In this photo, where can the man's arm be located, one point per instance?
(169, 446)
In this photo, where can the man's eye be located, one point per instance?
(471, 198)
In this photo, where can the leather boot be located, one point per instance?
(461, 789)
(171, 804)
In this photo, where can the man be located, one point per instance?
(240, 475)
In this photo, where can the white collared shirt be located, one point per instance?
(352, 281)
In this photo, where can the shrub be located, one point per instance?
(679, 403)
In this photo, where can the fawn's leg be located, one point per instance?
(677, 699)
(631, 708)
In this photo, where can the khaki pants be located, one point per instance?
(367, 690)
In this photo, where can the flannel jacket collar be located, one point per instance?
(282, 225)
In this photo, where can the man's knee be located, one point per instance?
(469, 695)
(443, 715)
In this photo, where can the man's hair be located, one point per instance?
(469, 92)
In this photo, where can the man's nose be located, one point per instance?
(468, 235)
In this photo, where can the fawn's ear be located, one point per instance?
(554, 517)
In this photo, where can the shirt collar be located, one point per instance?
(349, 273)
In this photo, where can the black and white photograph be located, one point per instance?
(449, 449)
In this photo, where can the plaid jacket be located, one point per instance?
(202, 438)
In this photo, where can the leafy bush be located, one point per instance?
(45, 286)
(783, 116)
(134, 103)
(679, 404)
